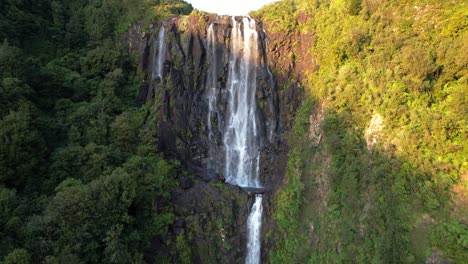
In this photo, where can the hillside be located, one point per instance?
(378, 168)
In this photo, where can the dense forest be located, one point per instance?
(377, 169)
(79, 171)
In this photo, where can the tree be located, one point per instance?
(13, 92)
(22, 148)
(17, 256)
(124, 130)
(85, 214)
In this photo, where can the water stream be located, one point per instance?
(242, 134)
(254, 227)
(274, 121)
(158, 61)
(211, 86)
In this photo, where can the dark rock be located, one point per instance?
(253, 190)
(273, 160)
(141, 99)
(215, 217)
(178, 226)
(181, 96)
(186, 183)
(180, 222)
(215, 213)
(178, 230)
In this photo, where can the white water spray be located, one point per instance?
(159, 60)
(242, 135)
(254, 227)
(242, 130)
(211, 85)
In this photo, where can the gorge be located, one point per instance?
(309, 131)
(233, 116)
(242, 121)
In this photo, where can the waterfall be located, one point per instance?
(241, 136)
(254, 224)
(211, 86)
(242, 133)
(159, 60)
(242, 129)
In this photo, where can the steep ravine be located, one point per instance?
(336, 188)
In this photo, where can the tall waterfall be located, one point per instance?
(159, 60)
(242, 133)
(211, 85)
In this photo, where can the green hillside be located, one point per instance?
(402, 197)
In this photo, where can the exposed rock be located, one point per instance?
(215, 217)
(273, 159)
(372, 134)
(215, 213)
(186, 183)
(436, 258)
(179, 223)
(179, 226)
(252, 190)
(178, 230)
(290, 71)
(181, 94)
(315, 118)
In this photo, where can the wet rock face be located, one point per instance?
(291, 61)
(210, 214)
(181, 93)
(215, 216)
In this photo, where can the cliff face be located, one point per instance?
(181, 93)
(211, 214)
(369, 72)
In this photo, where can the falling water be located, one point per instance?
(155, 59)
(242, 134)
(157, 69)
(254, 224)
(241, 137)
(210, 84)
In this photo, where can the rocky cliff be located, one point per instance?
(210, 213)
(181, 94)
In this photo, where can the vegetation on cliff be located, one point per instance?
(377, 171)
(398, 192)
(81, 180)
